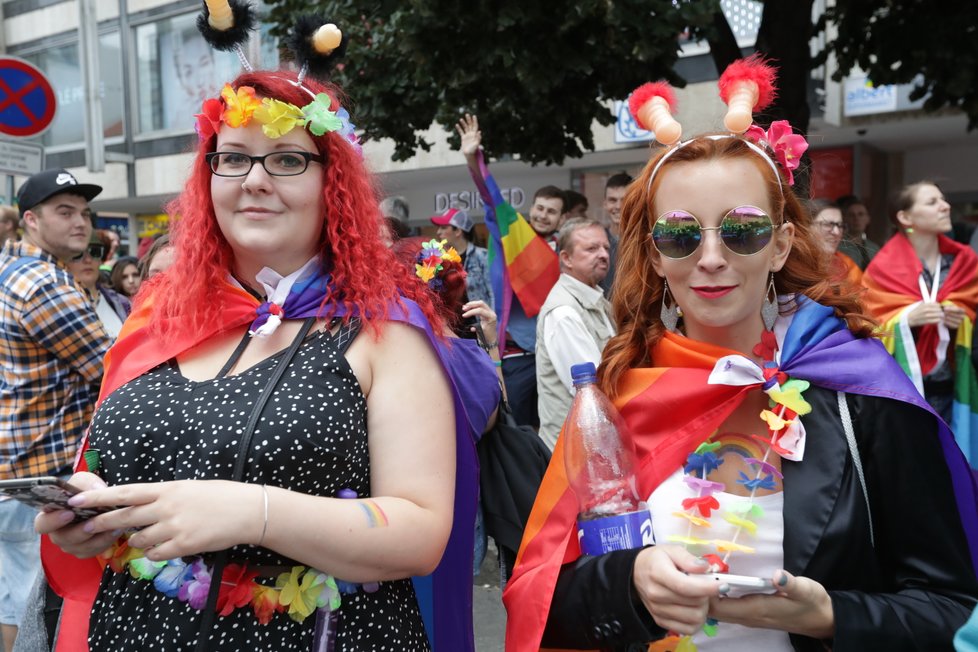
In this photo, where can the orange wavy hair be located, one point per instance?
(637, 296)
(349, 241)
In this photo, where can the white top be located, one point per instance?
(767, 558)
(568, 340)
(110, 321)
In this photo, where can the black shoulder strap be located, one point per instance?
(220, 560)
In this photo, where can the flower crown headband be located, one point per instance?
(317, 45)
(747, 85)
(430, 259)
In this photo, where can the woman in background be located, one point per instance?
(124, 276)
(923, 288)
(112, 307)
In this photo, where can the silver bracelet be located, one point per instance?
(264, 527)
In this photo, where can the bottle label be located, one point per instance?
(618, 532)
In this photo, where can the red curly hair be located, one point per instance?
(637, 296)
(448, 298)
(349, 240)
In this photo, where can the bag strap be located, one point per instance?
(220, 559)
(14, 266)
(856, 460)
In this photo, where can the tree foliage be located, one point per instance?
(536, 73)
(933, 44)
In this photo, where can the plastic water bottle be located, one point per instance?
(601, 471)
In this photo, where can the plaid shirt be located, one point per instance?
(51, 344)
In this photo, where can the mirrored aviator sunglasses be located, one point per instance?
(744, 230)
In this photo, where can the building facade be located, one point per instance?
(155, 71)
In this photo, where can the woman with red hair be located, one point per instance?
(846, 501)
(276, 435)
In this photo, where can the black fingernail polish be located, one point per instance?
(783, 579)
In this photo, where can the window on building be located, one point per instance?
(177, 70)
(62, 67)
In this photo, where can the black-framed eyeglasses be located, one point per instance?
(277, 164)
(744, 230)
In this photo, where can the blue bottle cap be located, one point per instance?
(584, 372)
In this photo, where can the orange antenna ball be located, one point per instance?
(327, 38)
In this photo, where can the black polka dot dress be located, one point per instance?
(311, 438)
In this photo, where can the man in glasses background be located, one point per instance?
(52, 344)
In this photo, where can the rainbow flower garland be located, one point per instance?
(429, 260)
(786, 404)
(301, 590)
(277, 118)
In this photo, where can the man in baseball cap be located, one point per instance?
(52, 344)
(55, 214)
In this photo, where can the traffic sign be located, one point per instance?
(21, 158)
(27, 102)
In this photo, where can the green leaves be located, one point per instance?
(537, 74)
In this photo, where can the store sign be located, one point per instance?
(21, 158)
(148, 226)
(471, 201)
(862, 98)
(626, 129)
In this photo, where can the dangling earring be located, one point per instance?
(669, 314)
(769, 308)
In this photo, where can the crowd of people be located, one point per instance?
(280, 445)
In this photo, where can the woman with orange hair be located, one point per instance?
(277, 440)
(775, 439)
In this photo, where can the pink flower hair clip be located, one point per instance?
(787, 146)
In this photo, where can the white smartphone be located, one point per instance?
(741, 585)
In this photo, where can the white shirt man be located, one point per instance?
(574, 323)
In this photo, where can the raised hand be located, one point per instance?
(468, 129)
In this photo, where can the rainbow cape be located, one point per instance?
(892, 286)
(445, 596)
(671, 408)
(520, 261)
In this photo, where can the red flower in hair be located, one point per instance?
(786, 145)
(209, 118)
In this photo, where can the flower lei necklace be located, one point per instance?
(236, 108)
(300, 590)
(786, 404)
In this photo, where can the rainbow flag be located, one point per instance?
(672, 408)
(520, 261)
(444, 596)
(893, 290)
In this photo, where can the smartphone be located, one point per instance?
(47, 494)
(741, 585)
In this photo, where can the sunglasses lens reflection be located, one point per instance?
(746, 230)
(676, 234)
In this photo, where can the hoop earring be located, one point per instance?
(769, 308)
(670, 311)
